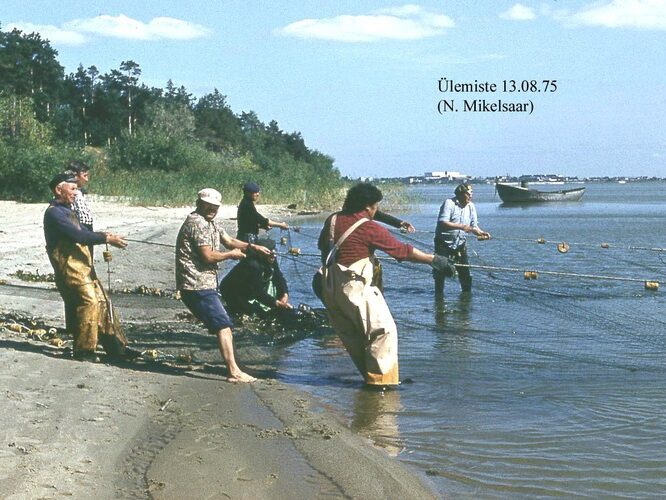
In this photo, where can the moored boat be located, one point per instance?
(522, 194)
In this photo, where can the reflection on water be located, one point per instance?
(453, 315)
(375, 415)
(536, 205)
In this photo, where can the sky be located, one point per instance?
(361, 79)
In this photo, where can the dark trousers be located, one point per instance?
(459, 256)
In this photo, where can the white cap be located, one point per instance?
(210, 195)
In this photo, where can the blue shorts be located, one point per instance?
(207, 307)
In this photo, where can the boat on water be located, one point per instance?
(523, 194)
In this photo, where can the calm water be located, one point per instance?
(551, 387)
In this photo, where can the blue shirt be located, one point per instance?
(451, 211)
(61, 222)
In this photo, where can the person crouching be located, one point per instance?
(256, 285)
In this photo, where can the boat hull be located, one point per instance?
(517, 194)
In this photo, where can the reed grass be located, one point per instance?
(292, 182)
(159, 188)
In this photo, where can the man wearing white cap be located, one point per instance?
(197, 256)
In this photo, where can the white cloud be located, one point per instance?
(168, 27)
(639, 14)
(519, 12)
(52, 33)
(79, 31)
(403, 10)
(121, 26)
(408, 22)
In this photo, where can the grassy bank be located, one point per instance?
(173, 189)
(227, 174)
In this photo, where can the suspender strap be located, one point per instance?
(331, 255)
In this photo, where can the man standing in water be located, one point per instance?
(457, 217)
(197, 256)
(356, 307)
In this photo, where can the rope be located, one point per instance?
(145, 242)
(529, 273)
(514, 269)
(543, 241)
(107, 258)
(556, 273)
(648, 248)
(604, 245)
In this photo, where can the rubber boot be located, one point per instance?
(439, 285)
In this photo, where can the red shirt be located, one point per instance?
(363, 242)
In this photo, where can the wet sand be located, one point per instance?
(150, 429)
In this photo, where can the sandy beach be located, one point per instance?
(150, 429)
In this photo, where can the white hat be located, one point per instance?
(210, 195)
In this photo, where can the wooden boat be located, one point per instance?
(522, 194)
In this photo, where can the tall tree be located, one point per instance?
(179, 95)
(216, 123)
(18, 122)
(29, 68)
(132, 71)
(165, 142)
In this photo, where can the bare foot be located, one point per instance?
(241, 377)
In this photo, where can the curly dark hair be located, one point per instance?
(360, 196)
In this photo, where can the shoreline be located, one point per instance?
(157, 429)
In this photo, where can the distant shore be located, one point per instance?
(532, 179)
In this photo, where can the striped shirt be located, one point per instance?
(83, 209)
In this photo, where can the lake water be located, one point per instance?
(539, 388)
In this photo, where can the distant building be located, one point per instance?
(448, 175)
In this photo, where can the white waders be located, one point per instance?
(361, 318)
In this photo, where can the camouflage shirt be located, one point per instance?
(192, 273)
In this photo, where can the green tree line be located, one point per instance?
(152, 145)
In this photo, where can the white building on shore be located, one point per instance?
(446, 175)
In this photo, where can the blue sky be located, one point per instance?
(360, 79)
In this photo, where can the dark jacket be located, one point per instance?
(60, 222)
(68, 245)
(250, 279)
(249, 220)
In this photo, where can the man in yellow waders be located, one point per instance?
(88, 312)
(357, 309)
